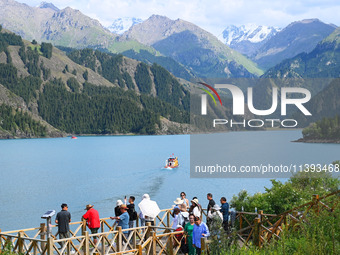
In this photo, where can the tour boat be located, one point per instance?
(171, 162)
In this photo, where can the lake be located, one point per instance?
(39, 174)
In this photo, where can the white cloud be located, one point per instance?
(213, 16)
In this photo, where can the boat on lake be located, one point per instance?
(171, 162)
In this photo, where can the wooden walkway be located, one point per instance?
(252, 228)
(157, 239)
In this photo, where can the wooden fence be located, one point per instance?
(261, 228)
(256, 228)
(111, 240)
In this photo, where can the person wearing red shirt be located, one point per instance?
(92, 220)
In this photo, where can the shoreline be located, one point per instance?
(304, 140)
(63, 135)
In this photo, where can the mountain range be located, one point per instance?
(194, 49)
(269, 46)
(305, 53)
(201, 52)
(192, 46)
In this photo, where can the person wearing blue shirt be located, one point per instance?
(200, 230)
(225, 212)
(123, 219)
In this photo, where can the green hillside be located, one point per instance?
(55, 93)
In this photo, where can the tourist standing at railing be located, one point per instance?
(148, 209)
(178, 202)
(117, 208)
(200, 230)
(183, 217)
(210, 205)
(175, 220)
(63, 219)
(189, 227)
(131, 211)
(185, 200)
(92, 220)
(123, 219)
(215, 214)
(195, 208)
(225, 213)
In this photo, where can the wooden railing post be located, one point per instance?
(20, 242)
(241, 220)
(154, 242)
(83, 233)
(119, 238)
(50, 246)
(148, 229)
(83, 227)
(170, 246)
(102, 226)
(134, 238)
(87, 243)
(316, 203)
(168, 219)
(42, 235)
(261, 215)
(203, 246)
(256, 232)
(103, 240)
(140, 249)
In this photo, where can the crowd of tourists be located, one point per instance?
(186, 216)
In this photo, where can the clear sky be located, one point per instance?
(213, 16)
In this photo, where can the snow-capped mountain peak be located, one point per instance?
(120, 25)
(250, 32)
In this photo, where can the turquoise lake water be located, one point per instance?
(40, 174)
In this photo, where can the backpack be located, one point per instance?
(132, 213)
(179, 236)
(184, 219)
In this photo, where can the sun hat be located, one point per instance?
(119, 202)
(178, 201)
(146, 196)
(89, 206)
(123, 206)
(195, 201)
(216, 207)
